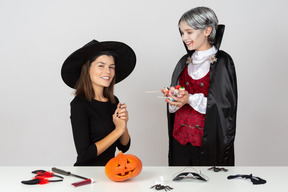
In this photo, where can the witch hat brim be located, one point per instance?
(125, 62)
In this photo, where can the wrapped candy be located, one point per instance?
(182, 89)
(175, 92)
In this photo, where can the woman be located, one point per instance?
(202, 119)
(99, 120)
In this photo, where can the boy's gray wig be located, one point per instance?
(200, 18)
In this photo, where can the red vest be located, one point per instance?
(188, 123)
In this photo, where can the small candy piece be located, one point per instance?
(177, 86)
(175, 92)
(171, 92)
(182, 89)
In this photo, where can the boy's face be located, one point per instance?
(195, 39)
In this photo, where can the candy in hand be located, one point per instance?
(175, 92)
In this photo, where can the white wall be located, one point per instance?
(37, 36)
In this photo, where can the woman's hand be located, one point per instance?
(122, 112)
(120, 117)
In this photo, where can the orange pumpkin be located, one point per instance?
(123, 167)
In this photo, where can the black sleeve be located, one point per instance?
(123, 148)
(80, 125)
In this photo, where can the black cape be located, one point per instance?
(220, 120)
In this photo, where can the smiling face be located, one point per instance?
(102, 71)
(195, 39)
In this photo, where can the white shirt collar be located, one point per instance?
(199, 57)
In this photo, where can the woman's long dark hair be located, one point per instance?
(84, 85)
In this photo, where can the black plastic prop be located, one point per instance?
(217, 169)
(188, 175)
(255, 180)
(160, 187)
(41, 178)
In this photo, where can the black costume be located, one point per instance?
(220, 120)
(91, 122)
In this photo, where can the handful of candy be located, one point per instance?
(174, 91)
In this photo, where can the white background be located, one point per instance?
(37, 36)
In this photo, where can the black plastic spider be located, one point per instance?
(217, 169)
(160, 187)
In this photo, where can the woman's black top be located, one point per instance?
(91, 122)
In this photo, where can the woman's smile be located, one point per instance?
(102, 71)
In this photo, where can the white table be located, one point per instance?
(276, 177)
